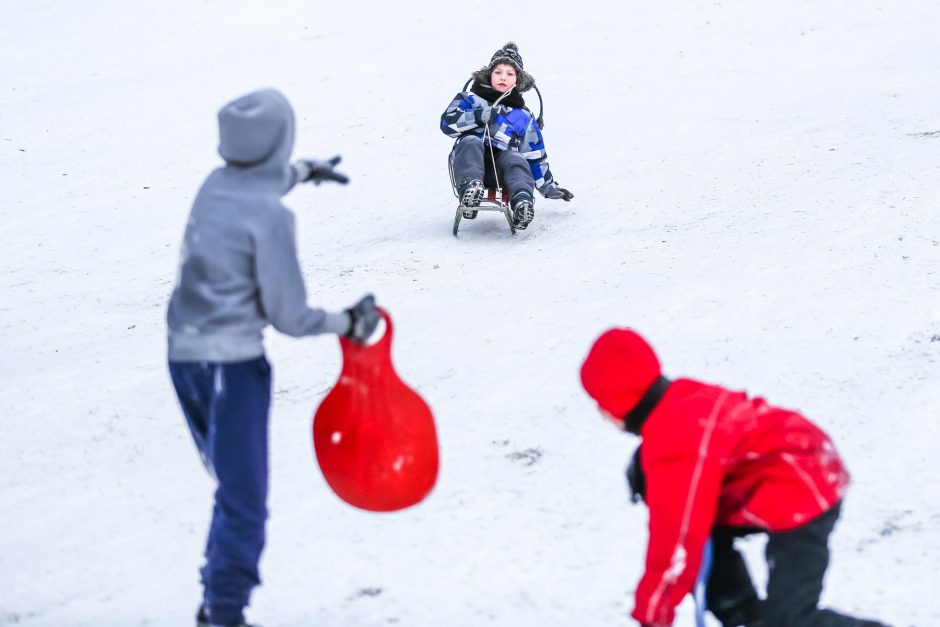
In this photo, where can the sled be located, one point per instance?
(373, 435)
(494, 199)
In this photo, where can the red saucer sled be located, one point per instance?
(374, 437)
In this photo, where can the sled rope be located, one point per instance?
(489, 140)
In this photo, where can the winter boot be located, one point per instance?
(742, 621)
(202, 620)
(522, 209)
(743, 611)
(471, 193)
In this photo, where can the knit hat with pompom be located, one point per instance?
(508, 54)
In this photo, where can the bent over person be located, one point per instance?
(718, 464)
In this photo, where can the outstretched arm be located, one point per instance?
(683, 484)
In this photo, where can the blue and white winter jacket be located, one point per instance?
(510, 129)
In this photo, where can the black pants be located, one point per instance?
(797, 560)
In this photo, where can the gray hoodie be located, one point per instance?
(238, 267)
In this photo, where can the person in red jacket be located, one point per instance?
(718, 464)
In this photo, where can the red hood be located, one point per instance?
(618, 370)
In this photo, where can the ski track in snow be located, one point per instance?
(755, 190)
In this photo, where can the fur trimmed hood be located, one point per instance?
(508, 54)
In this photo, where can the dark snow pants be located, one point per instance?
(797, 561)
(226, 407)
(472, 161)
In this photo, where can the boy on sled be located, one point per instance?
(498, 138)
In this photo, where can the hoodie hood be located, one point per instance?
(257, 131)
(619, 369)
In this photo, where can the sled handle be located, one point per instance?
(383, 345)
(386, 339)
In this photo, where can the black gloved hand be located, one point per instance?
(311, 170)
(555, 192)
(363, 318)
(636, 479)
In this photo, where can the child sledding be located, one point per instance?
(499, 144)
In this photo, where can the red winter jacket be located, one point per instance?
(716, 457)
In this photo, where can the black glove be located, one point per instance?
(363, 318)
(636, 480)
(555, 192)
(310, 170)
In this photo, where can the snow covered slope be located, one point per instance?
(756, 191)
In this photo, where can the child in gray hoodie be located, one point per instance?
(238, 273)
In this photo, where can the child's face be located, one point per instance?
(609, 416)
(503, 77)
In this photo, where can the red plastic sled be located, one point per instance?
(373, 435)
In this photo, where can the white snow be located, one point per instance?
(756, 188)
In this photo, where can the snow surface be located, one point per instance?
(756, 191)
